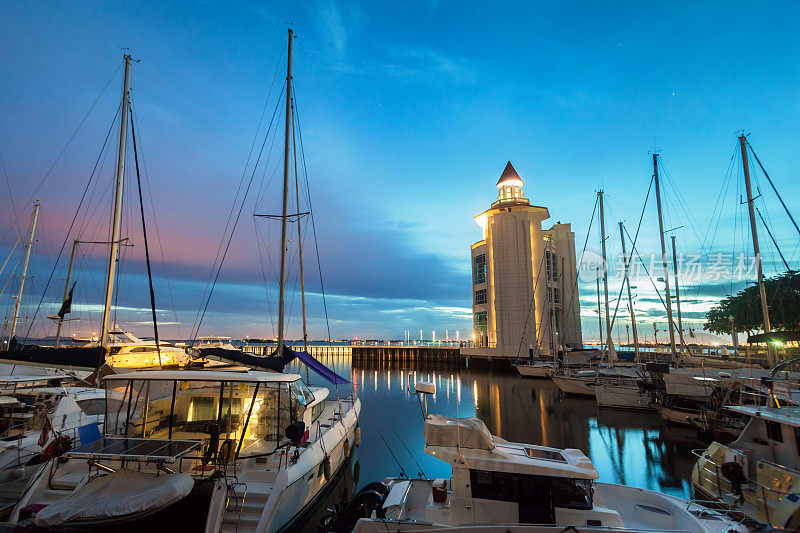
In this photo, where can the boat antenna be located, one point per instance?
(421, 472)
(402, 472)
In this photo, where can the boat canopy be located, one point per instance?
(248, 376)
(116, 496)
(457, 432)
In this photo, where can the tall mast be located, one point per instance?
(630, 298)
(664, 258)
(286, 140)
(762, 292)
(599, 315)
(66, 288)
(609, 341)
(115, 228)
(24, 274)
(677, 295)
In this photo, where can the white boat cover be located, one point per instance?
(443, 431)
(124, 492)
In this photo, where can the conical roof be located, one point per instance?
(508, 174)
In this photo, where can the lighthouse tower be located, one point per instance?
(525, 295)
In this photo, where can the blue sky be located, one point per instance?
(409, 112)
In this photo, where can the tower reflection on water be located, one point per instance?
(636, 449)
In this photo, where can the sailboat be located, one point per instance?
(117, 349)
(244, 450)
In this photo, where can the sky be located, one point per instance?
(408, 113)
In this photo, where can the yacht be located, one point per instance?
(221, 450)
(214, 342)
(504, 486)
(758, 474)
(128, 352)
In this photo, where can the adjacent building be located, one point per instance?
(524, 278)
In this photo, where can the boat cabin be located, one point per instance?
(496, 481)
(237, 413)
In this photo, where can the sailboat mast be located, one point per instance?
(117, 221)
(66, 289)
(282, 289)
(664, 258)
(762, 292)
(609, 341)
(24, 274)
(630, 298)
(677, 295)
(599, 315)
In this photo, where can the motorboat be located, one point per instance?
(758, 474)
(502, 486)
(41, 417)
(128, 352)
(223, 450)
(214, 342)
(37, 420)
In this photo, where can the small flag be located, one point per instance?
(66, 307)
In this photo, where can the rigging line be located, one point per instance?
(629, 259)
(296, 115)
(752, 151)
(9, 253)
(74, 218)
(532, 305)
(158, 238)
(10, 196)
(239, 187)
(199, 319)
(633, 249)
(144, 238)
(86, 116)
(259, 239)
(585, 244)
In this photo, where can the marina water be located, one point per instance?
(632, 448)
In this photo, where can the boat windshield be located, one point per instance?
(252, 416)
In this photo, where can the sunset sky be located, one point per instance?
(408, 112)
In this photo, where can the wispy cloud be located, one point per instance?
(421, 61)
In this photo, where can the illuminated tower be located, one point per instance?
(523, 278)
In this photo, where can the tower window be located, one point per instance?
(480, 297)
(550, 294)
(481, 322)
(479, 269)
(556, 295)
(554, 259)
(547, 262)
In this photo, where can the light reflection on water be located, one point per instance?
(633, 448)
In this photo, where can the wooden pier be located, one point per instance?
(406, 353)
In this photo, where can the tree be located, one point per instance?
(783, 299)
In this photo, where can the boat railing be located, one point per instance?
(762, 492)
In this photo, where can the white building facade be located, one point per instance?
(524, 278)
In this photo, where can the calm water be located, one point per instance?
(635, 449)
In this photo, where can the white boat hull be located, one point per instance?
(621, 396)
(574, 386)
(543, 371)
